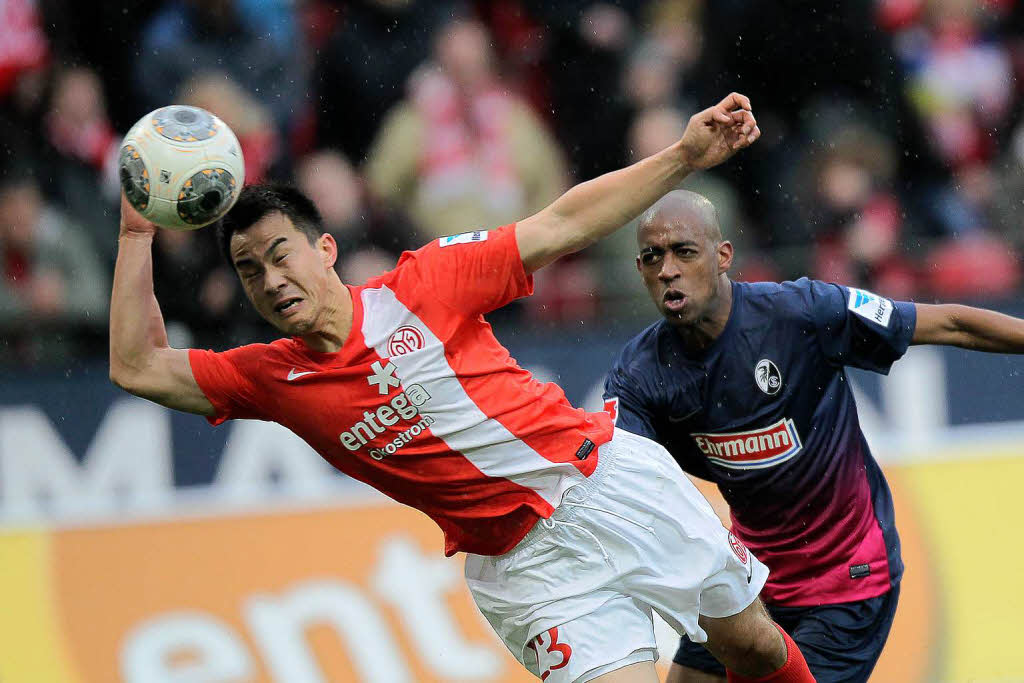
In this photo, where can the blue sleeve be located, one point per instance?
(859, 328)
(629, 405)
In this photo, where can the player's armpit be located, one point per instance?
(166, 379)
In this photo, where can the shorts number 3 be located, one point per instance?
(553, 646)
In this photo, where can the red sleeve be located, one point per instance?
(228, 380)
(474, 272)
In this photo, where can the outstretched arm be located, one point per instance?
(141, 362)
(970, 328)
(593, 209)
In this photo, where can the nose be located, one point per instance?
(273, 281)
(669, 269)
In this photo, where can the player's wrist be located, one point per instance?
(681, 159)
(143, 234)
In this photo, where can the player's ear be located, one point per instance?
(328, 248)
(725, 254)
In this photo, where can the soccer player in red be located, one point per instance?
(574, 532)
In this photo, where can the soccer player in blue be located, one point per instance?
(744, 383)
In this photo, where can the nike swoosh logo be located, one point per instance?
(750, 567)
(295, 375)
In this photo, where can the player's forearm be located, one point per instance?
(971, 328)
(984, 330)
(598, 207)
(136, 324)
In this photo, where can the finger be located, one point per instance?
(743, 120)
(127, 210)
(720, 114)
(131, 218)
(746, 139)
(735, 101)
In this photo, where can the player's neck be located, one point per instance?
(336, 321)
(701, 334)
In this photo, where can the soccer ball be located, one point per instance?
(181, 167)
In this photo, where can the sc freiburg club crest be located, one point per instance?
(768, 377)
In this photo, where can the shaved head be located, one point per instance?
(682, 208)
(684, 264)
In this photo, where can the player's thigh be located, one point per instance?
(641, 672)
(614, 642)
(684, 674)
(842, 643)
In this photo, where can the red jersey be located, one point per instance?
(422, 402)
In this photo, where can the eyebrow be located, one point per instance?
(248, 261)
(274, 246)
(675, 245)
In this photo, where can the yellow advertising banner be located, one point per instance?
(364, 594)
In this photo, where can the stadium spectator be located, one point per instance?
(53, 279)
(850, 211)
(364, 263)
(188, 261)
(248, 40)
(356, 221)
(252, 123)
(586, 44)
(960, 79)
(934, 78)
(24, 49)
(461, 152)
(368, 59)
(81, 149)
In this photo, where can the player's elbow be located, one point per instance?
(123, 377)
(128, 376)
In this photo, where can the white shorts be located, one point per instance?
(574, 599)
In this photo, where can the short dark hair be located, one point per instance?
(258, 201)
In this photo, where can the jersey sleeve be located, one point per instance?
(629, 407)
(228, 380)
(474, 272)
(860, 328)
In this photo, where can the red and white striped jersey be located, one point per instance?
(422, 402)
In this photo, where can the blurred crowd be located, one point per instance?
(892, 154)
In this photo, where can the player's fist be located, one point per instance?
(718, 132)
(132, 222)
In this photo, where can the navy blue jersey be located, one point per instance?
(766, 412)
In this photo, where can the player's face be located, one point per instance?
(285, 277)
(681, 268)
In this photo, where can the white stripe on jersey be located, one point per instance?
(458, 421)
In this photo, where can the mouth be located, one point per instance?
(287, 306)
(674, 300)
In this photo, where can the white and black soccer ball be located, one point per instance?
(181, 167)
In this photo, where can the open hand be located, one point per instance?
(132, 222)
(718, 132)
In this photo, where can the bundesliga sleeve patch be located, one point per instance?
(464, 238)
(870, 306)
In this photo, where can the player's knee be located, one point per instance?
(748, 643)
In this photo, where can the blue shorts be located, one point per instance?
(840, 642)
